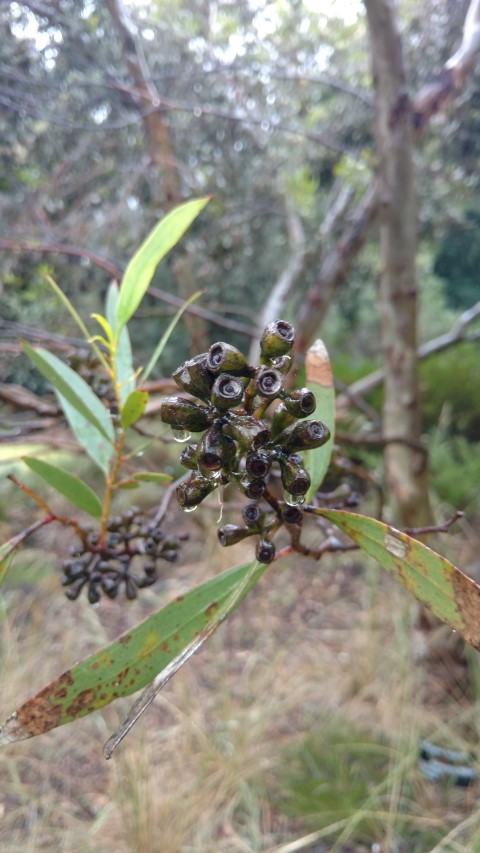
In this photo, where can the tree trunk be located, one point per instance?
(405, 467)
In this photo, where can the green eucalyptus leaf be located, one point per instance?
(95, 445)
(437, 583)
(69, 485)
(133, 660)
(133, 408)
(141, 267)
(73, 388)
(123, 358)
(319, 379)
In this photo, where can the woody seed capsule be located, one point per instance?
(268, 382)
(227, 392)
(300, 403)
(224, 358)
(277, 340)
(183, 415)
(305, 435)
(193, 376)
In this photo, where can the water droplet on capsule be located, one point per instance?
(181, 435)
(293, 500)
(189, 508)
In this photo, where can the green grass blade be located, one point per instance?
(319, 379)
(437, 583)
(166, 336)
(132, 661)
(71, 386)
(142, 266)
(69, 485)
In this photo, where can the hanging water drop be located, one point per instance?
(294, 500)
(181, 435)
(189, 508)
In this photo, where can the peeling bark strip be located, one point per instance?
(451, 596)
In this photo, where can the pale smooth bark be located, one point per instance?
(405, 467)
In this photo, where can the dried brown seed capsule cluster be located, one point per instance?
(128, 557)
(237, 445)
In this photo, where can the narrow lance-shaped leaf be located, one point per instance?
(133, 408)
(71, 386)
(319, 379)
(69, 485)
(237, 594)
(95, 445)
(141, 267)
(123, 358)
(130, 662)
(437, 583)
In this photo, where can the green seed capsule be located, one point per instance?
(248, 432)
(300, 403)
(268, 382)
(193, 376)
(277, 340)
(194, 491)
(223, 358)
(295, 479)
(227, 392)
(282, 364)
(184, 415)
(281, 420)
(216, 450)
(305, 435)
(230, 534)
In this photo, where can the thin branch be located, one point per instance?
(455, 336)
(14, 244)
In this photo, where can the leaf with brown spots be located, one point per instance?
(135, 658)
(437, 583)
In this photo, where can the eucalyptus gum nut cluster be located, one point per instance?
(238, 444)
(103, 567)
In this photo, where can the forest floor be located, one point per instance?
(297, 727)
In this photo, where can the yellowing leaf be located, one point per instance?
(437, 583)
(133, 660)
